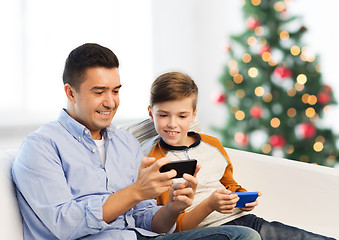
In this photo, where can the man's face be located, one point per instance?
(97, 99)
(172, 120)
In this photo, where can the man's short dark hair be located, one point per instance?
(87, 56)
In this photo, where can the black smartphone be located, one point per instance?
(182, 166)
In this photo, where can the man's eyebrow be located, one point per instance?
(103, 87)
(118, 86)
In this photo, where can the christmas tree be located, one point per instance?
(273, 89)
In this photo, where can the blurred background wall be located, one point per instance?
(150, 37)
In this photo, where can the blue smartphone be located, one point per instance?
(245, 197)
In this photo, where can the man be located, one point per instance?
(79, 176)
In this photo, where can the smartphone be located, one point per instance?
(182, 166)
(245, 197)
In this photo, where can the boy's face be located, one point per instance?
(97, 99)
(172, 120)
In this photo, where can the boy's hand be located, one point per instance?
(181, 195)
(150, 182)
(250, 206)
(222, 201)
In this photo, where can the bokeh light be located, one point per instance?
(253, 72)
(295, 50)
(259, 91)
(246, 58)
(275, 122)
(301, 79)
(291, 112)
(239, 115)
(310, 112)
(238, 78)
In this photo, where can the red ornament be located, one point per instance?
(256, 112)
(327, 88)
(277, 141)
(219, 98)
(264, 48)
(227, 48)
(306, 130)
(252, 23)
(324, 98)
(241, 139)
(282, 72)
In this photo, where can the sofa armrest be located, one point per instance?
(10, 218)
(296, 193)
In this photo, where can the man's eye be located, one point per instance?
(98, 93)
(116, 91)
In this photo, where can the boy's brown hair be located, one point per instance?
(173, 86)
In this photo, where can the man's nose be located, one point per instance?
(109, 101)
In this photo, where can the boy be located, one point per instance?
(172, 108)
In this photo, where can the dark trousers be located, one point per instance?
(275, 230)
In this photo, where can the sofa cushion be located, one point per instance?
(10, 218)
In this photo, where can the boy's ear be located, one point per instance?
(69, 90)
(194, 114)
(150, 113)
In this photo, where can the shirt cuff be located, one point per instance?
(94, 214)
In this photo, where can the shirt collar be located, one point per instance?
(179, 148)
(77, 129)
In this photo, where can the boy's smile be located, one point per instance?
(172, 120)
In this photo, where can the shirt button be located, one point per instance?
(86, 131)
(94, 150)
(79, 139)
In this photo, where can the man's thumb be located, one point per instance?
(146, 162)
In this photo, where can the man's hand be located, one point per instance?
(150, 182)
(222, 201)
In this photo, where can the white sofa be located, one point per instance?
(299, 194)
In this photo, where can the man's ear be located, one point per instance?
(150, 113)
(70, 91)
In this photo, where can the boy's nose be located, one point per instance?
(172, 123)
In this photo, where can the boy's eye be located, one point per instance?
(183, 116)
(162, 115)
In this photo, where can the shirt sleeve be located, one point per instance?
(40, 179)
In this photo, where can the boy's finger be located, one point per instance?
(223, 191)
(197, 169)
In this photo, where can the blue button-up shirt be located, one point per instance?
(62, 185)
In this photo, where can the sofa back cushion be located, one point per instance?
(10, 218)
